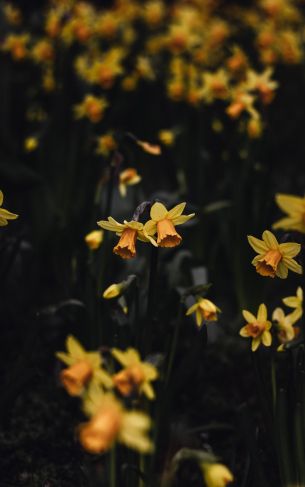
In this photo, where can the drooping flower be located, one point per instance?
(94, 239)
(286, 331)
(153, 149)
(274, 259)
(113, 291)
(84, 368)
(204, 309)
(257, 328)
(294, 206)
(163, 223)
(128, 232)
(5, 214)
(295, 302)
(216, 475)
(136, 375)
(110, 422)
(128, 177)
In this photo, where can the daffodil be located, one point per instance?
(294, 206)
(30, 144)
(163, 222)
(110, 422)
(94, 239)
(5, 214)
(129, 177)
(84, 368)
(113, 291)
(274, 259)
(295, 302)
(204, 309)
(136, 375)
(106, 144)
(286, 331)
(91, 107)
(128, 232)
(167, 137)
(257, 328)
(216, 475)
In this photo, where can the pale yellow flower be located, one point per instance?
(5, 214)
(128, 177)
(295, 302)
(257, 328)
(94, 239)
(163, 223)
(30, 144)
(216, 475)
(274, 259)
(110, 422)
(294, 206)
(113, 291)
(84, 368)
(136, 375)
(128, 232)
(204, 309)
(286, 331)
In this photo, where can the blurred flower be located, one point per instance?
(295, 302)
(106, 144)
(83, 368)
(294, 206)
(274, 259)
(238, 61)
(286, 331)
(153, 12)
(241, 101)
(262, 83)
(128, 232)
(215, 85)
(254, 128)
(163, 223)
(167, 137)
(257, 328)
(113, 291)
(94, 239)
(92, 108)
(204, 309)
(30, 144)
(16, 44)
(48, 80)
(110, 422)
(136, 375)
(5, 214)
(12, 14)
(43, 51)
(129, 177)
(216, 475)
(152, 149)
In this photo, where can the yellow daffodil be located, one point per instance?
(110, 422)
(262, 83)
(129, 177)
(286, 331)
(91, 107)
(274, 259)
(5, 214)
(94, 239)
(106, 144)
(204, 309)
(167, 137)
(294, 206)
(84, 368)
(216, 475)
(113, 291)
(295, 302)
(16, 44)
(257, 328)
(136, 375)
(30, 144)
(128, 232)
(163, 223)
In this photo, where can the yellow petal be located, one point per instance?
(255, 344)
(257, 244)
(199, 318)
(262, 313)
(158, 212)
(281, 271)
(176, 211)
(1, 198)
(65, 358)
(292, 265)
(289, 203)
(291, 301)
(148, 390)
(111, 225)
(192, 309)
(244, 332)
(290, 249)
(300, 293)
(75, 348)
(150, 227)
(122, 189)
(179, 220)
(7, 214)
(249, 317)
(278, 315)
(266, 338)
(270, 240)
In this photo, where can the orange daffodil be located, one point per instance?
(163, 222)
(274, 259)
(257, 328)
(294, 206)
(84, 368)
(204, 309)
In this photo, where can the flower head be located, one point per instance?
(94, 239)
(257, 328)
(91, 107)
(274, 259)
(128, 232)
(110, 422)
(106, 144)
(5, 214)
(113, 291)
(286, 331)
(136, 375)
(84, 368)
(163, 222)
(294, 206)
(216, 475)
(204, 309)
(129, 177)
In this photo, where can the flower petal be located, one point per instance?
(249, 317)
(75, 349)
(176, 211)
(244, 332)
(158, 212)
(257, 244)
(267, 338)
(255, 344)
(270, 240)
(293, 265)
(179, 220)
(290, 203)
(290, 249)
(281, 271)
(262, 313)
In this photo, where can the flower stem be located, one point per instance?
(151, 298)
